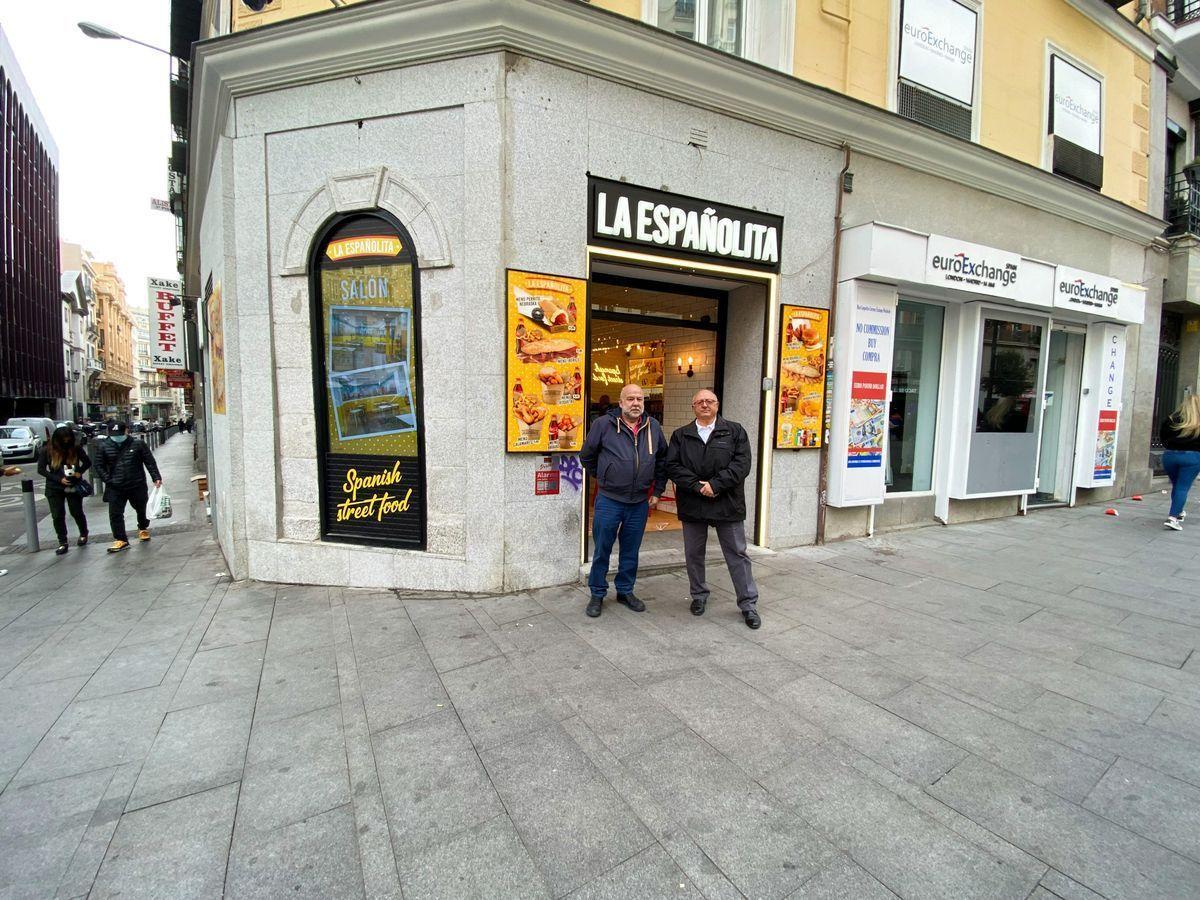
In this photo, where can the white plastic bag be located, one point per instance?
(158, 505)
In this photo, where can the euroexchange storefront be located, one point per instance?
(972, 381)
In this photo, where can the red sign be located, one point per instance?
(1108, 420)
(179, 379)
(545, 481)
(868, 386)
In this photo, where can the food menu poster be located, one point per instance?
(546, 356)
(803, 344)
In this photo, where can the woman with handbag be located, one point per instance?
(62, 464)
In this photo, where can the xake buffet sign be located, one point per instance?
(629, 216)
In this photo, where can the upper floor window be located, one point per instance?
(717, 23)
(1074, 126)
(935, 82)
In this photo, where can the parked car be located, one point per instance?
(42, 428)
(18, 443)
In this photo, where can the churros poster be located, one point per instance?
(547, 342)
(804, 340)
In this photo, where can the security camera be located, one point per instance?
(255, 5)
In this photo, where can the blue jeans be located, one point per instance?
(609, 517)
(1182, 466)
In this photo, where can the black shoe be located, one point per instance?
(751, 617)
(632, 602)
(698, 607)
(593, 607)
(83, 538)
(61, 551)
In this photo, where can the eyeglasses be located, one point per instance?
(704, 402)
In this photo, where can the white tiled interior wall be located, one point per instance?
(678, 389)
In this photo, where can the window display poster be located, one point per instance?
(369, 366)
(937, 47)
(216, 348)
(1075, 105)
(366, 347)
(546, 356)
(863, 357)
(804, 339)
(1106, 447)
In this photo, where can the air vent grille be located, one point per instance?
(933, 110)
(1078, 164)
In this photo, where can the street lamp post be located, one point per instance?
(92, 30)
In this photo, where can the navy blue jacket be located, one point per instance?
(625, 467)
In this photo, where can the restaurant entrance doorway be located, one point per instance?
(669, 340)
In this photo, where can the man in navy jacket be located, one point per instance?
(626, 453)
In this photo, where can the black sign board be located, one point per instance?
(629, 216)
(367, 391)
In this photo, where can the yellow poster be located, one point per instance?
(371, 379)
(547, 342)
(803, 343)
(216, 351)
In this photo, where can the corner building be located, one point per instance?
(433, 240)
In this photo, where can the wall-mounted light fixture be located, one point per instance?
(679, 365)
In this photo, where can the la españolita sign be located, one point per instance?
(630, 216)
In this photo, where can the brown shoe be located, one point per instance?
(144, 535)
(118, 546)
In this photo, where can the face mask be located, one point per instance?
(118, 438)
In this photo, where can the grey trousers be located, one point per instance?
(732, 536)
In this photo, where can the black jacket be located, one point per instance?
(54, 475)
(1172, 439)
(121, 466)
(724, 462)
(625, 467)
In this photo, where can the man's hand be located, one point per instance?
(653, 501)
(158, 483)
(706, 489)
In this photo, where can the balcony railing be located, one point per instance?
(1181, 11)
(1182, 204)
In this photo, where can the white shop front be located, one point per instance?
(972, 378)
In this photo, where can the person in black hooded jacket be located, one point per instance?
(709, 461)
(122, 462)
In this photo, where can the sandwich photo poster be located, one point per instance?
(546, 357)
(803, 344)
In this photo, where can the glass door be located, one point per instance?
(1060, 420)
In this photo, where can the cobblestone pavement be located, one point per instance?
(1007, 710)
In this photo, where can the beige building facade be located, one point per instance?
(115, 340)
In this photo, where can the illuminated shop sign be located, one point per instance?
(626, 215)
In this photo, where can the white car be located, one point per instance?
(18, 443)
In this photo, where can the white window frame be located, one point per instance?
(1051, 50)
(752, 10)
(977, 6)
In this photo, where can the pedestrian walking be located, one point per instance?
(709, 461)
(122, 462)
(626, 453)
(1180, 435)
(62, 463)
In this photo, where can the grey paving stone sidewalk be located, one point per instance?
(1001, 710)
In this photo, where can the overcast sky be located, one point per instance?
(106, 105)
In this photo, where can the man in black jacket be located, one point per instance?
(626, 453)
(709, 461)
(122, 462)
